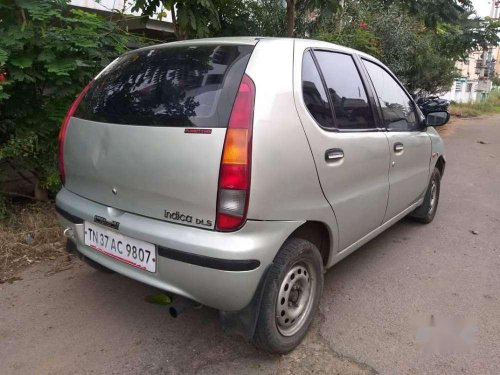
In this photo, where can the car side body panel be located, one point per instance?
(438, 150)
(278, 192)
(409, 172)
(357, 186)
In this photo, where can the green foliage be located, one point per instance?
(434, 12)
(48, 53)
(358, 38)
(496, 80)
(243, 17)
(420, 44)
(311, 13)
(191, 18)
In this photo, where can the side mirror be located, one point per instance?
(437, 118)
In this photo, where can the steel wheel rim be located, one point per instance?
(295, 298)
(433, 196)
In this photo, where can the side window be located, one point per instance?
(347, 93)
(314, 93)
(397, 108)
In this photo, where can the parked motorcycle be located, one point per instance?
(432, 104)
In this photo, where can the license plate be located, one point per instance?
(137, 253)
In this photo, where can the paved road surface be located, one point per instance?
(417, 299)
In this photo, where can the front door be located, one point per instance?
(409, 144)
(351, 154)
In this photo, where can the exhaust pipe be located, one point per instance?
(181, 305)
(68, 233)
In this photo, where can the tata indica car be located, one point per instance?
(233, 172)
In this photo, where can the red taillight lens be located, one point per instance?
(64, 127)
(234, 178)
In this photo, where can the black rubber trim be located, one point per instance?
(74, 219)
(71, 247)
(209, 262)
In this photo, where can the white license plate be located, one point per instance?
(137, 253)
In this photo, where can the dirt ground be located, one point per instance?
(418, 299)
(30, 235)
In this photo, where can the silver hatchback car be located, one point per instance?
(233, 172)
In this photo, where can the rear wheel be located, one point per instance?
(291, 297)
(426, 212)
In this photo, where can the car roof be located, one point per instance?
(253, 40)
(245, 40)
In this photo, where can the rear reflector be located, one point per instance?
(234, 177)
(64, 128)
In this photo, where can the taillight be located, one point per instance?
(234, 177)
(64, 127)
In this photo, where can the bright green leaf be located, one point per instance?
(159, 299)
(61, 67)
(22, 62)
(46, 55)
(3, 56)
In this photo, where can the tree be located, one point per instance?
(290, 17)
(191, 18)
(308, 11)
(48, 53)
(434, 12)
(251, 17)
(421, 49)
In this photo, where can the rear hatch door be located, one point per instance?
(147, 138)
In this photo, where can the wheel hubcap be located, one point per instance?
(295, 298)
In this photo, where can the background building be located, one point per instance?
(477, 72)
(157, 27)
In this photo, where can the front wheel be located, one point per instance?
(426, 212)
(291, 297)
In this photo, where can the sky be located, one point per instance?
(482, 7)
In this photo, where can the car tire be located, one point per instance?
(291, 297)
(426, 212)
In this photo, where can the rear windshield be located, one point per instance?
(178, 86)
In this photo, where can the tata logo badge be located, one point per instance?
(107, 223)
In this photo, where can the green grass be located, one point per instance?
(490, 106)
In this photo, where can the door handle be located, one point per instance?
(398, 147)
(334, 154)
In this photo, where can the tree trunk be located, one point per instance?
(179, 34)
(290, 17)
(340, 16)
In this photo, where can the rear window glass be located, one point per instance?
(347, 92)
(314, 93)
(168, 86)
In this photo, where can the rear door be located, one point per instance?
(350, 152)
(147, 137)
(409, 143)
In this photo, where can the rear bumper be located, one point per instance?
(220, 270)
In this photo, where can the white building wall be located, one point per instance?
(462, 91)
(120, 5)
(102, 4)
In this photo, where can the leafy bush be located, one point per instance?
(48, 53)
(400, 39)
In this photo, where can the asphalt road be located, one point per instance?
(419, 299)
